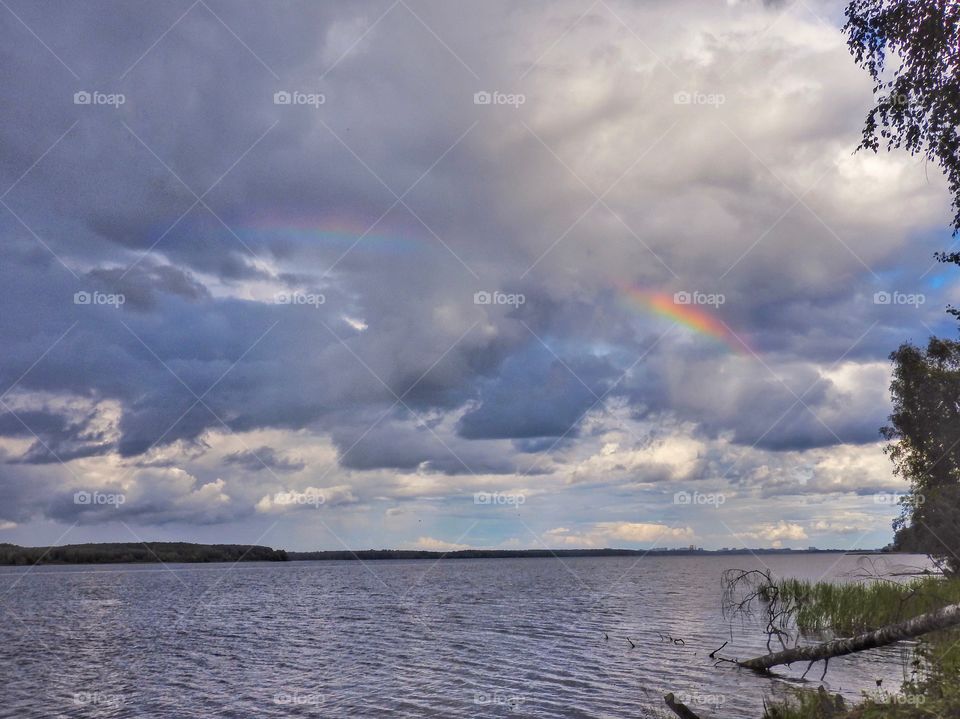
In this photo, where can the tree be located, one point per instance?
(924, 444)
(911, 49)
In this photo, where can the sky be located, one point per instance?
(444, 275)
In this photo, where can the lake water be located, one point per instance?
(463, 638)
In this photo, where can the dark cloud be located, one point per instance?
(264, 458)
(536, 395)
(406, 442)
(200, 202)
(56, 436)
(145, 282)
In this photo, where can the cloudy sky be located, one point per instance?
(434, 274)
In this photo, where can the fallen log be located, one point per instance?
(678, 707)
(943, 618)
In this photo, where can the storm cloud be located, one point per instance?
(410, 252)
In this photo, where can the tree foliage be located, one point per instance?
(924, 444)
(911, 49)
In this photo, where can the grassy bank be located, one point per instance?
(933, 689)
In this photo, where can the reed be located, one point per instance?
(854, 607)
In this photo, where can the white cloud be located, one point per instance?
(286, 500)
(437, 545)
(608, 534)
(775, 533)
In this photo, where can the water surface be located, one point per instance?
(470, 638)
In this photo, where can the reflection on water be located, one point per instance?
(497, 637)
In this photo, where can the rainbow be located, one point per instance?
(697, 318)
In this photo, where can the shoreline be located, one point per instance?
(150, 553)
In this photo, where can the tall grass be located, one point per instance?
(933, 689)
(855, 607)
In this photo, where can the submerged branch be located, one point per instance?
(678, 707)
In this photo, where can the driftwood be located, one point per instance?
(678, 707)
(943, 618)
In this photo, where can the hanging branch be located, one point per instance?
(746, 589)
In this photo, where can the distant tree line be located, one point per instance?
(122, 553)
(173, 552)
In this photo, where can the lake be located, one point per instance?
(470, 638)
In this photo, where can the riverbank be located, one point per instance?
(186, 552)
(932, 684)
